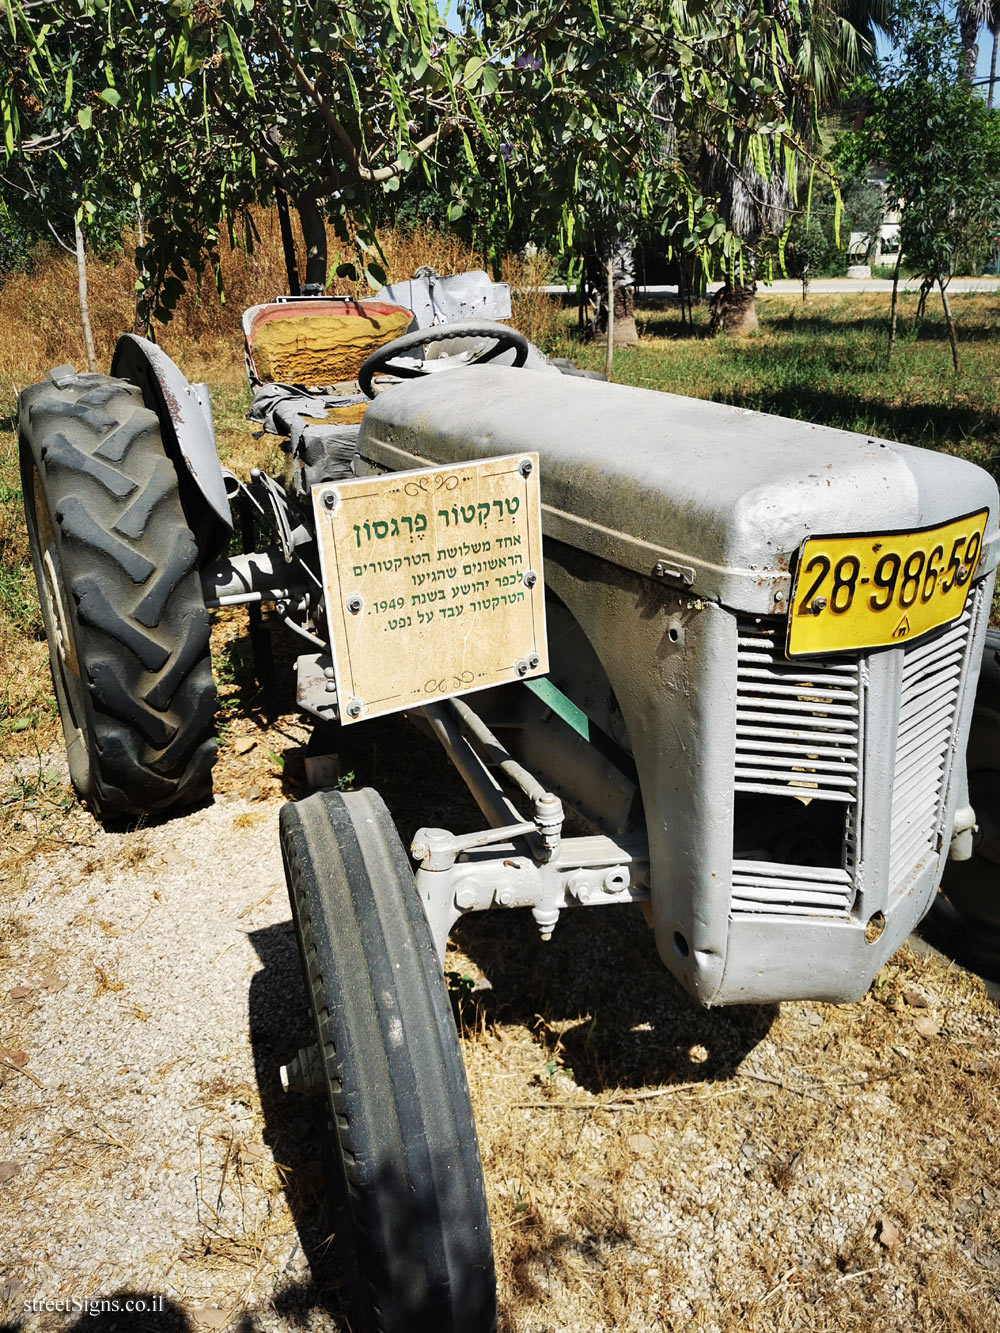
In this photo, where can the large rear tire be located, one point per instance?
(121, 598)
(965, 918)
(406, 1142)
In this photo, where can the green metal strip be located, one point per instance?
(560, 705)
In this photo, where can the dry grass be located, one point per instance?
(636, 1184)
(36, 332)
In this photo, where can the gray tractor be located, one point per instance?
(736, 687)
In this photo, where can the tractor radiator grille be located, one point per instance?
(797, 723)
(928, 703)
(798, 735)
(765, 886)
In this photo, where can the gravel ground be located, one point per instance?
(649, 1165)
(154, 990)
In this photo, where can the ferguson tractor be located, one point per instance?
(741, 651)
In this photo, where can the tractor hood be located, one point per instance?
(714, 498)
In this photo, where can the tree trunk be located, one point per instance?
(892, 309)
(314, 235)
(288, 242)
(619, 255)
(993, 64)
(610, 353)
(626, 334)
(140, 320)
(968, 30)
(81, 280)
(733, 309)
(926, 286)
(951, 327)
(687, 268)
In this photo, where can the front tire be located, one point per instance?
(121, 598)
(406, 1142)
(965, 918)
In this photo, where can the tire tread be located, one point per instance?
(128, 563)
(396, 1085)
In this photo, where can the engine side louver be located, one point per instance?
(798, 734)
(928, 704)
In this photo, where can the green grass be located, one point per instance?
(825, 361)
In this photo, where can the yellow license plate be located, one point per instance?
(871, 590)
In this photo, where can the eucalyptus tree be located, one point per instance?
(562, 112)
(59, 176)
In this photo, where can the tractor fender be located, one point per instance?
(185, 417)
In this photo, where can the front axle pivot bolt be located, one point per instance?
(465, 898)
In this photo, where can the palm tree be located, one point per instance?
(972, 15)
(834, 42)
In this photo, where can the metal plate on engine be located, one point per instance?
(433, 582)
(875, 589)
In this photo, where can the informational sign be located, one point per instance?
(433, 582)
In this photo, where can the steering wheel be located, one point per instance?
(506, 339)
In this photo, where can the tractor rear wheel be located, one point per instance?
(965, 918)
(121, 598)
(407, 1155)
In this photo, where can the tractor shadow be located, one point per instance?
(597, 995)
(319, 1273)
(599, 1000)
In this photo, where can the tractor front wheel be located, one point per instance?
(407, 1155)
(965, 918)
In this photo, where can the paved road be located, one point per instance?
(823, 287)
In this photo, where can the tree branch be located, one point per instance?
(371, 175)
